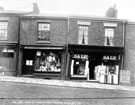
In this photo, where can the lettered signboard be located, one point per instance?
(125, 76)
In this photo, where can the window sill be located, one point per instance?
(3, 39)
(79, 76)
(43, 42)
(45, 72)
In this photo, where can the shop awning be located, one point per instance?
(92, 48)
(44, 47)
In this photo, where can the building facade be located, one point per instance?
(95, 49)
(130, 51)
(42, 46)
(9, 31)
(66, 47)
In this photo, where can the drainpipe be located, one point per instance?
(18, 49)
(124, 31)
(67, 53)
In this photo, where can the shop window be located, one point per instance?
(83, 34)
(109, 36)
(8, 53)
(43, 31)
(108, 70)
(48, 62)
(3, 30)
(79, 65)
(7, 59)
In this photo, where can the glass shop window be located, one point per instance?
(48, 62)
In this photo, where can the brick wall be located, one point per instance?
(12, 27)
(96, 32)
(28, 33)
(130, 50)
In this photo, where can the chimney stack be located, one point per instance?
(35, 8)
(112, 12)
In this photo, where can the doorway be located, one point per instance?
(28, 62)
(94, 60)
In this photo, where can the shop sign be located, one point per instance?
(109, 58)
(125, 76)
(38, 53)
(80, 56)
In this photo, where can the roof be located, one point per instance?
(46, 16)
(98, 18)
(27, 14)
(13, 12)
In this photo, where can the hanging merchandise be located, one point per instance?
(103, 73)
(115, 75)
(72, 64)
(86, 67)
(48, 62)
(107, 74)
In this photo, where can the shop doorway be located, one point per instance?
(28, 62)
(94, 60)
(104, 68)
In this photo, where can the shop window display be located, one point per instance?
(48, 62)
(107, 74)
(79, 65)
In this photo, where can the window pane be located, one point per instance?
(83, 35)
(3, 29)
(48, 62)
(109, 34)
(44, 31)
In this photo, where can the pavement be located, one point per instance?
(64, 83)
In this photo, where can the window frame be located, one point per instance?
(4, 29)
(43, 30)
(84, 34)
(109, 38)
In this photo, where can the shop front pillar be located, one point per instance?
(63, 63)
(67, 67)
(19, 68)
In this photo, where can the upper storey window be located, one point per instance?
(83, 32)
(3, 30)
(109, 36)
(109, 33)
(44, 31)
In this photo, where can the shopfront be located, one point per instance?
(95, 63)
(8, 60)
(44, 62)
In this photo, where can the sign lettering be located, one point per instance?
(109, 58)
(80, 56)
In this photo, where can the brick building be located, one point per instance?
(130, 51)
(9, 32)
(66, 47)
(42, 45)
(95, 49)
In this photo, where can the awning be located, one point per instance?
(44, 47)
(94, 49)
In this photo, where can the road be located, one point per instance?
(33, 94)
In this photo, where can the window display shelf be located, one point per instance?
(47, 72)
(79, 76)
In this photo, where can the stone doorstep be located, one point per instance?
(65, 83)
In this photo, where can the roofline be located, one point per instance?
(14, 12)
(44, 16)
(98, 18)
(74, 17)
